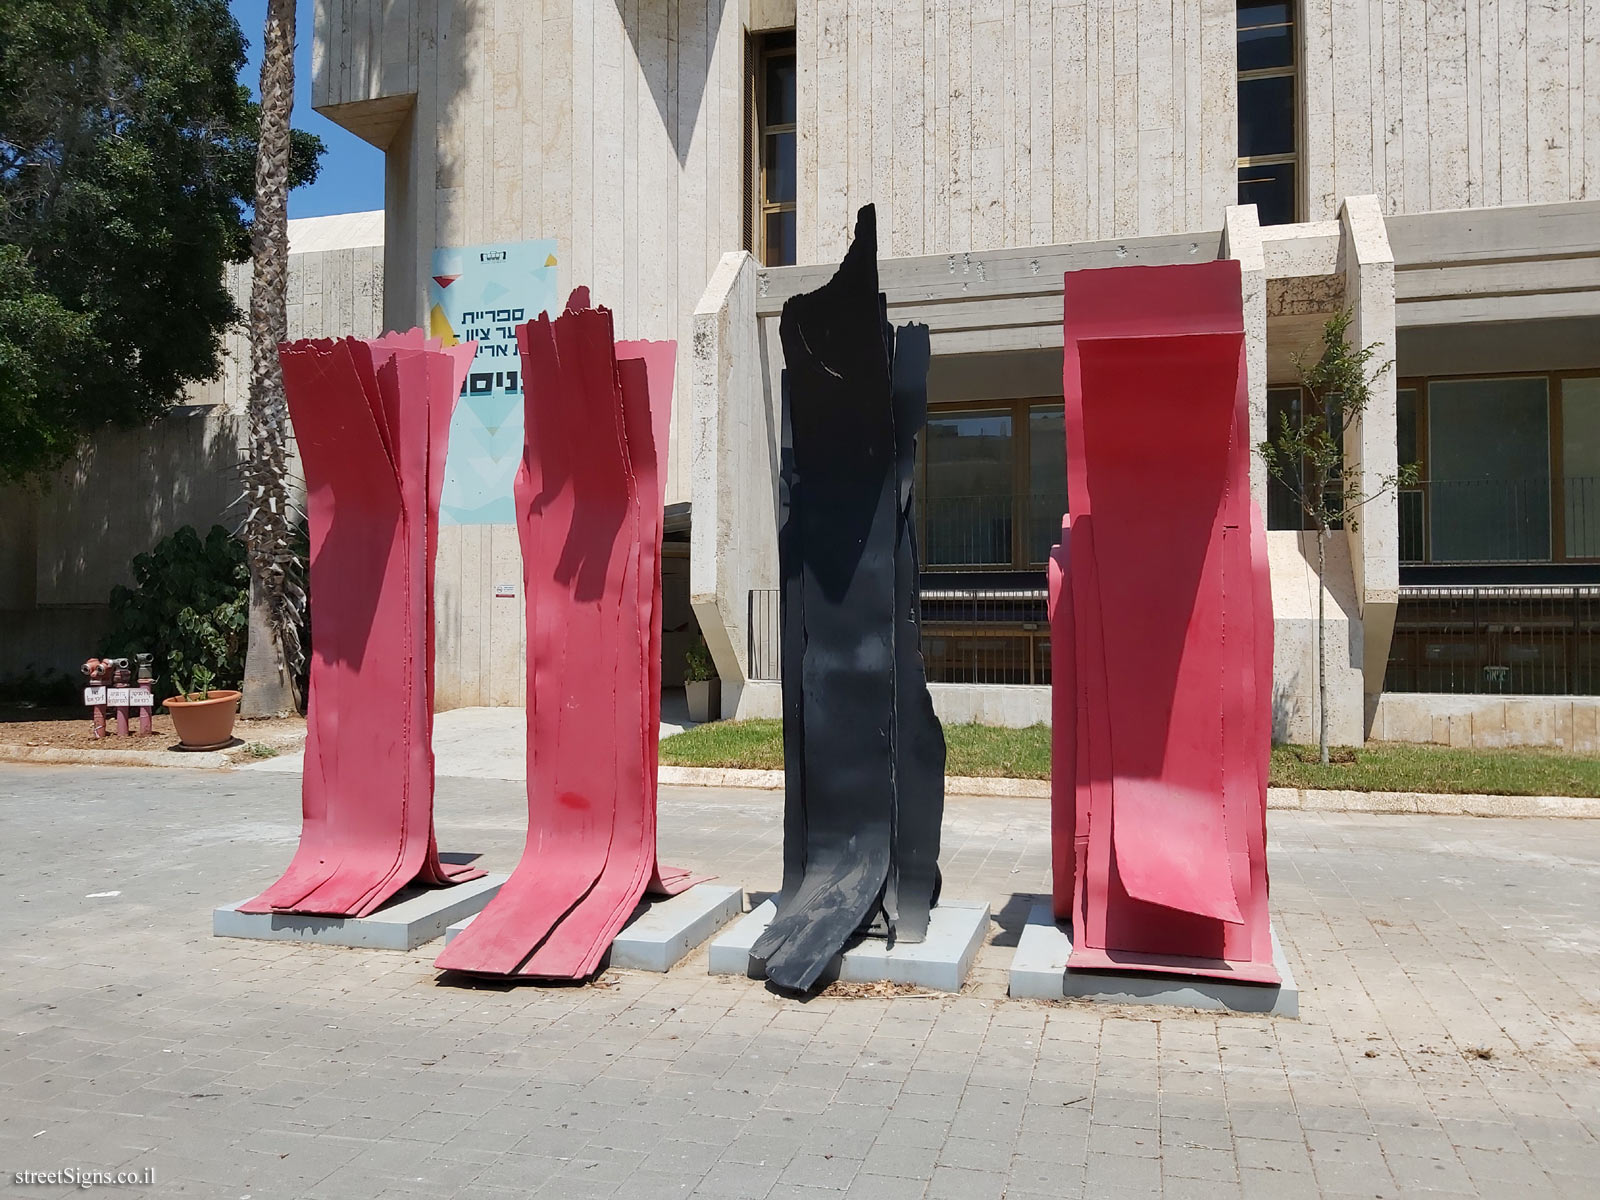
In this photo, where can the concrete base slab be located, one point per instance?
(1039, 972)
(956, 930)
(415, 915)
(663, 932)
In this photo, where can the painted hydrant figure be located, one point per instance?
(147, 682)
(96, 670)
(121, 678)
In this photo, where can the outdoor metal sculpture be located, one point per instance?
(589, 501)
(863, 751)
(372, 421)
(1161, 632)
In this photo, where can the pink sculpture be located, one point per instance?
(589, 500)
(1161, 630)
(372, 421)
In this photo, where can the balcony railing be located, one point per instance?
(1462, 640)
(1500, 520)
(1519, 641)
(978, 532)
(969, 635)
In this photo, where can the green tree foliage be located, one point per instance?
(1308, 460)
(127, 160)
(188, 607)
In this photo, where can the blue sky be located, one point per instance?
(352, 171)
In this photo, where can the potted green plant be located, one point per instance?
(203, 716)
(700, 683)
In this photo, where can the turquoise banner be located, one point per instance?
(481, 294)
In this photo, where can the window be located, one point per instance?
(1510, 469)
(1580, 466)
(774, 173)
(1489, 470)
(993, 485)
(1268, 166)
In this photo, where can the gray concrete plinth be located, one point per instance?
(1039, 972)
(662, 932)
(415, 915)
(956, 930)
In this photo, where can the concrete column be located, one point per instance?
(1241, 239)
(734, 533)
(1370, 443)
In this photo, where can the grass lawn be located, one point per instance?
(984, 750)
(1399, 767)
(972, 749)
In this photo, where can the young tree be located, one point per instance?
(277, 596)
(1307, 458)
(127, 150)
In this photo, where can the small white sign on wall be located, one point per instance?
(505, 591)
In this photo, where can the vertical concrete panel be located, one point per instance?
(1488, 169)
(506, 621)
(1218, 61)
(1413, 73)
(1548, 109)
(447, 620)
(1155, 105)
(908, 79)
(1319, 62)
(1447, 105)
(1513, 22)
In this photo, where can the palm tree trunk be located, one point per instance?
(275, 593)
(1322, 656)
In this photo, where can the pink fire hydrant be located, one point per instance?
(94, 695)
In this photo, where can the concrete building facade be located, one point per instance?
(1431, 165)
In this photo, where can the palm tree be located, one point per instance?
(277, 598)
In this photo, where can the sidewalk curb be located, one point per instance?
(1278, 799)
(1290, 799)
(208, 759)
(1433, 803)
(954, 785)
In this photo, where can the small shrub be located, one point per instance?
(189, 607)
(697, 664)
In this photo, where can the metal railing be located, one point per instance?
(982, 531)
(1515, 641)
(969, 635)
(1500, 520)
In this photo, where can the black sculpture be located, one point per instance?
(863, 751)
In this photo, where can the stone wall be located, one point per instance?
(1570, 723)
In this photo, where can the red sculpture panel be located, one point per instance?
(589, 499)
(372, 421)
(1161, 626)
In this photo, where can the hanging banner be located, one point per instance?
(482, 293)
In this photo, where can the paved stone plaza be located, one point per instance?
(1450, 1037)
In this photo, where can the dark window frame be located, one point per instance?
(1555, 399)
(1291, 158)
(1019, 410)
(767, 47)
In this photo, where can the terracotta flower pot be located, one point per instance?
(205, 724)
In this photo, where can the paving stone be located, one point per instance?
(885, 1187)
(957, 1183)
(821, 1170)
(1102, 1171)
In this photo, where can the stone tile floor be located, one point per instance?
(1450, 1039)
